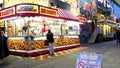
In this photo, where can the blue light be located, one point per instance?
(100, 1)
(26, 7)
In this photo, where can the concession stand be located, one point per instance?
(26, 26)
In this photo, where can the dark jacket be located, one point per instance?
(4, 51)
(50, 38)
(118, 33)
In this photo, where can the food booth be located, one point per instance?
(26, 26)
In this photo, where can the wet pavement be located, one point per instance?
(110, 52)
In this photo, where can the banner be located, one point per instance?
(88, 60)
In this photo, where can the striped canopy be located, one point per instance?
(62, 13)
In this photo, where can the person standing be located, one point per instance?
(117, 33)
(50, 40)
(4, 51)
(119, 36)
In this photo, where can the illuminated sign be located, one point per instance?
(2, 24)
(7, 12)
(10, 38)
(27, 9)
(39, 38)
(48, 11)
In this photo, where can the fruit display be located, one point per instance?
(18, 44)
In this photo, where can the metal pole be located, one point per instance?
(61, 29)
(28, 35)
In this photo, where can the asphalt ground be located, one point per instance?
(110, 52)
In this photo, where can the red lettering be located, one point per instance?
(43, 10)
(51, 12)
(7, 12)
(48, 11)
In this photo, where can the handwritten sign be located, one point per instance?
(88, 60)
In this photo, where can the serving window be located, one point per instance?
(38, 26)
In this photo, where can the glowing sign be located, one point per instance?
(48, 11)
(27, 9)
(7, 12)
(2, 24)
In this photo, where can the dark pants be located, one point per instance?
(118, 39)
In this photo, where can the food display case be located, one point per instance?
(26, 26)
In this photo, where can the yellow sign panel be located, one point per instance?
(7, 12)
(27, 9)
(48, 11)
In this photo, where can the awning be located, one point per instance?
(62, 13)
